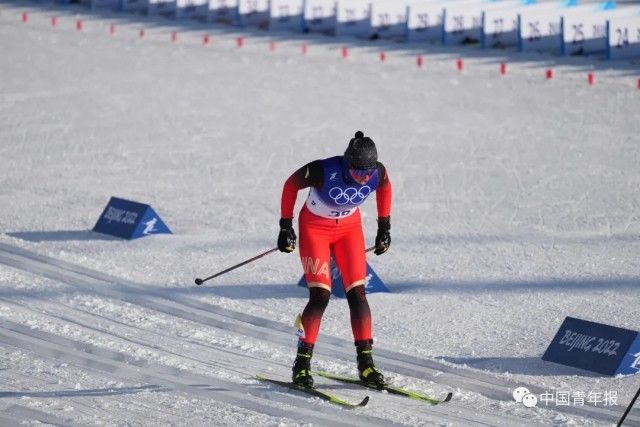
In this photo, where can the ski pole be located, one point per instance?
(201, 281)
(629, 408)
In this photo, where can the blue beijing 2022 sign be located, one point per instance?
(595, 347)
(372, 284)
(129, 220)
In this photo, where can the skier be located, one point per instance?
(330, 223)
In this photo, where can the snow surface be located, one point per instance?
(516, 204)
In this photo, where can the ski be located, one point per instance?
(331, 398)
(389, 389)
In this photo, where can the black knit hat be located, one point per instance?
(361, 152)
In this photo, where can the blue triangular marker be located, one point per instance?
(150, 224)
(129, 220)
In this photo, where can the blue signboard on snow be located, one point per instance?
(595, 347)
(373, 283)
(129, 220)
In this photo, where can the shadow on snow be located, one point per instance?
(60, 235)
(519, 365)
(89, 392)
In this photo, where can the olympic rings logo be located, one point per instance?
(352, 195)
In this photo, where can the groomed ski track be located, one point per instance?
(219, 373)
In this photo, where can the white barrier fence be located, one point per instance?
(110, 4)
(254, 12)
(320, 15)
(135, 5)
(463, 21)
(389, 19)
(623, 37)
(500, 24)
(223, 10)
(564, 27)
(586, 32)
(192, 9)
(162, 7)
(539, 26)
(286, 14)
(353, 17)
(425, 20)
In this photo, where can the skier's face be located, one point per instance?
(361, 176)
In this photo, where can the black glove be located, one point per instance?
(383, 238)
(287, 237)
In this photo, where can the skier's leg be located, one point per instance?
(314, 255)
(348, 252)
(311, 317)
(312, 314)
(361, 326)
(315, 258)
(360, 314)
(351, 260)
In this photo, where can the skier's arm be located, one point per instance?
(383, 193)
(310, 175)
(383, 201)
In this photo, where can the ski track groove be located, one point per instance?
(106, 361)
(18, 414)
(82, 402)
(214, 355)
(401, 402)
(274, 332)
(203, 348)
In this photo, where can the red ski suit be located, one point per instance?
(324, 231)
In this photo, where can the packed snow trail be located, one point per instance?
(517, 204)
(220, 360)
(49, 345)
